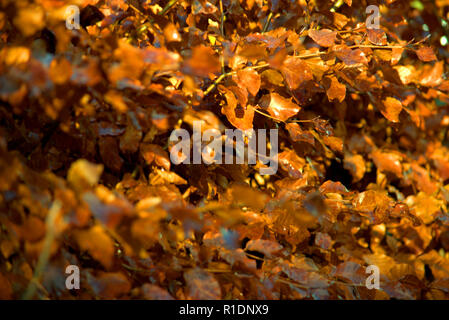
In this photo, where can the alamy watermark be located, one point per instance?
(373, 20)
(207, 147)
(373, 281)
(72, 20)
(73, 279)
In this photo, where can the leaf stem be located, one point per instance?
(267, 23)
(167, 7)
(304, 56)
(46, 250)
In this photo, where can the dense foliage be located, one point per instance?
(86, 178)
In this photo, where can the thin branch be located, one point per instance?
(268, 116)
(215, 83)
(267, 23)
(304, 56)
(222, 19)
(46, 250)
(167, 7)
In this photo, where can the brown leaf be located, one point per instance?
(296, 72)
(387, 162)
(426, 54)
(279, 107)
(407, 74)
(101, 249)
(323, 37)
(129, 142)
(154, 153)
(203, 62)
(391, 108)
(171, 33)
(109, 152)
(355, 164)
(335, 89)
(267, 247)
(431, 76)
(350, 56)
(377, 36)
(249, 79)
(241, 118)
(153, 292)
(110, 285)
(291, 163)
(372, 204)
(297, 134)
(158, 177)
(335, 143)
(253, 51)
(84, 175)
(6, 292)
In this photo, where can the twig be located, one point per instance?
(267, 23)
(268, 116)
(46, 250)
(304, 56)
(376, 47)
(222, 18)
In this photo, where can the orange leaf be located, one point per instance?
(426, 54)
(377, 36)
(154, 153)
(99, 245)
(335, 89)
(296, 72)
(249, 79)
(203, 62)
(323, 37)
(240, 117)
(387, 162)
(267, 247)
(391, 108)
(349, 56)
(279, 107)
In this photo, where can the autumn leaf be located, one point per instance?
(249, 79)
(377, 36)
(355, 164)
(387, 162)
(279, 107)
(391, 108)
(373, 204)
(335, 90)
(87, 117)
(109, 285)
(350, 56)
(154, 153)
(201, 285)
(203, 62)
(291, 163)
(267, 247)
(153, 292)
(431, 75)
(426, 54)
(83, 175)
(296, 72)
(297, 134)
(239, 116)
(102, 249)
